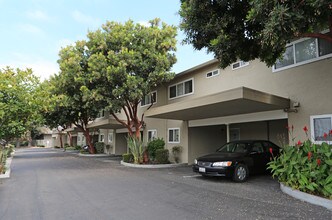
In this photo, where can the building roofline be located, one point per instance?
(202, 65)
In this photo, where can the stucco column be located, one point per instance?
(114, 141)
(228, 133)
(185, 142)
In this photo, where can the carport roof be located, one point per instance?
(107, 123)
(236, 101)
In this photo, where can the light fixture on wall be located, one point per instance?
(296, 105)
(143, 125)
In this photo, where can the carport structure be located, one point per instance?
(106, 126)
(218, 118)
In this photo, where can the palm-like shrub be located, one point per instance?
(136, 148)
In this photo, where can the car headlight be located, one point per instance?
(222, 164)
(195, 161)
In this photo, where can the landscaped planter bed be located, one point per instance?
(153, 166)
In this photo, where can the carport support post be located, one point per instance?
(114, 141)
(228, 133)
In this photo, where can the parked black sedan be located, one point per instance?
(237, 159)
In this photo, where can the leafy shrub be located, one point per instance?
(70, 148)
(77, 147)
(153, 146)
(306, 167)
(24, 143)
(162, 156)
(56, 146)
(9, 150)
(128, 158)
(40, 145)
(176, 151)
(3, 158)
(136, 148)
(66, 145)
(99, 147)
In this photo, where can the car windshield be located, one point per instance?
(233, 148)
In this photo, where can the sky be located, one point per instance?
(34, 31)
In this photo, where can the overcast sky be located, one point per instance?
(33, 31)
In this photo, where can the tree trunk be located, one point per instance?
(138, 133)
(88, 141)
(60, 136)
(29, 139)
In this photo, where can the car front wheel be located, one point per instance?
(241, 173)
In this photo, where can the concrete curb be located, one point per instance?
(94, 155)
(316, 200)
(8, 163)
(71, 151)
(154, 166)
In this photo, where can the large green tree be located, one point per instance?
(19, 103)
(77, 89)
(132, 59)
(251, 29)
(55, 111)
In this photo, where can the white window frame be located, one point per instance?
(182, 82)
(212, 73)
(110, 134)
(101, 114)
(154, 137)
(302, 62)
(101, 138)
(155, 101)
(312, 128)
(172, 141)
(242, 64)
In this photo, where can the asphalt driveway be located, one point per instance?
(50, 184)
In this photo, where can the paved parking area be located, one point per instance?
(50, 184)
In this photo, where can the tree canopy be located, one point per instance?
(77, 99)
(19, 102)
(251, 29)
(132, 59)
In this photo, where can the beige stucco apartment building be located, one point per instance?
(205, 106)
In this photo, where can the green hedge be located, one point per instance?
(99, 147)
(162, 156)
(153, 146)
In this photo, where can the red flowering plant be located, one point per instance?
(305, 166)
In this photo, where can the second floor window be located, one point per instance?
(212, 73)
(239, 64)
(181, 89)
(101, 114)
(304, 51)
(149, 99)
